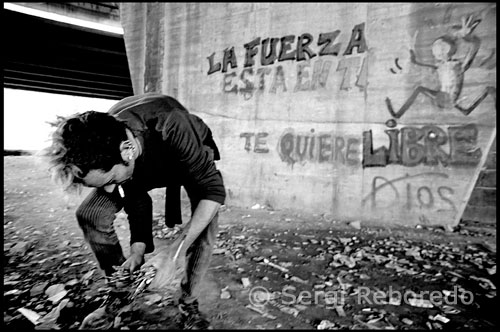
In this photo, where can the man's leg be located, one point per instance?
(95, 217)
(198, 258)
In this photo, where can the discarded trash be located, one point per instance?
(345, 260)
(58, 297)
(245, 282)
(72, 282)
(21, 248)
(407, 321)
(449, 310)
(224, 294)
(260, 311)
(355, 224)
(268, 262)
(297, 279)
(420, 303)
(32, 316)
(395, 300)
(38, 289)
(340, 311)
(440, 318)
(54, 289)
(291, 311)
(48, 322)
(485, 283)
(219, 251)
(326, 325)
(153, 298)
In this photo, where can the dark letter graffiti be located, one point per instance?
(463, 147)
(229, 58)
(357, 39)
(213, 68)
(413, 153)
(426, 146)
(327, 39)
(373, 158)
(268, 58)
(247, 136)
(303, 47)
(260, 143)
(318, 148)
(285, 47)
(251, 52)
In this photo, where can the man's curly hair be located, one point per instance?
(84, 142)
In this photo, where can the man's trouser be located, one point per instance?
(96, 215)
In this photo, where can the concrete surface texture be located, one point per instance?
(380, 112)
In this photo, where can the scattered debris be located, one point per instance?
(153, 298)
(20, 248)
(58, 297)
(297, 279)
(260, 311)
(49, 321)
(340, 311)
(407, 321)
(224, 294)
(38, 289)
(32, 316)
(327, 325)
(245, 282)
(440, 318)
(355, 224)
(420, 303)
(54, 289)
(268, 262)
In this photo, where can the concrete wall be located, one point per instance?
(380, 112)
(482, 205)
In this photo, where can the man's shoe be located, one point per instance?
(192, 319)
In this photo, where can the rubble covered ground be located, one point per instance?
(270, 270)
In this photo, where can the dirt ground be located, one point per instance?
(298, 271)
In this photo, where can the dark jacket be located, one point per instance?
(178, 149)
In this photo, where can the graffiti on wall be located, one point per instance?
(450, 56)
(412, 146)
(403, 192)
(321, 147)
(449, 69)
(409, 146)
(310, 75)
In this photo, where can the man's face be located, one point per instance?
(116, 175)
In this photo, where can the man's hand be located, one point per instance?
(167, 269)
(136, 258)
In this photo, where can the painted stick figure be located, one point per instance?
(450, 71)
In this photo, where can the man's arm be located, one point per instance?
(139, 209)
(202, 216)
